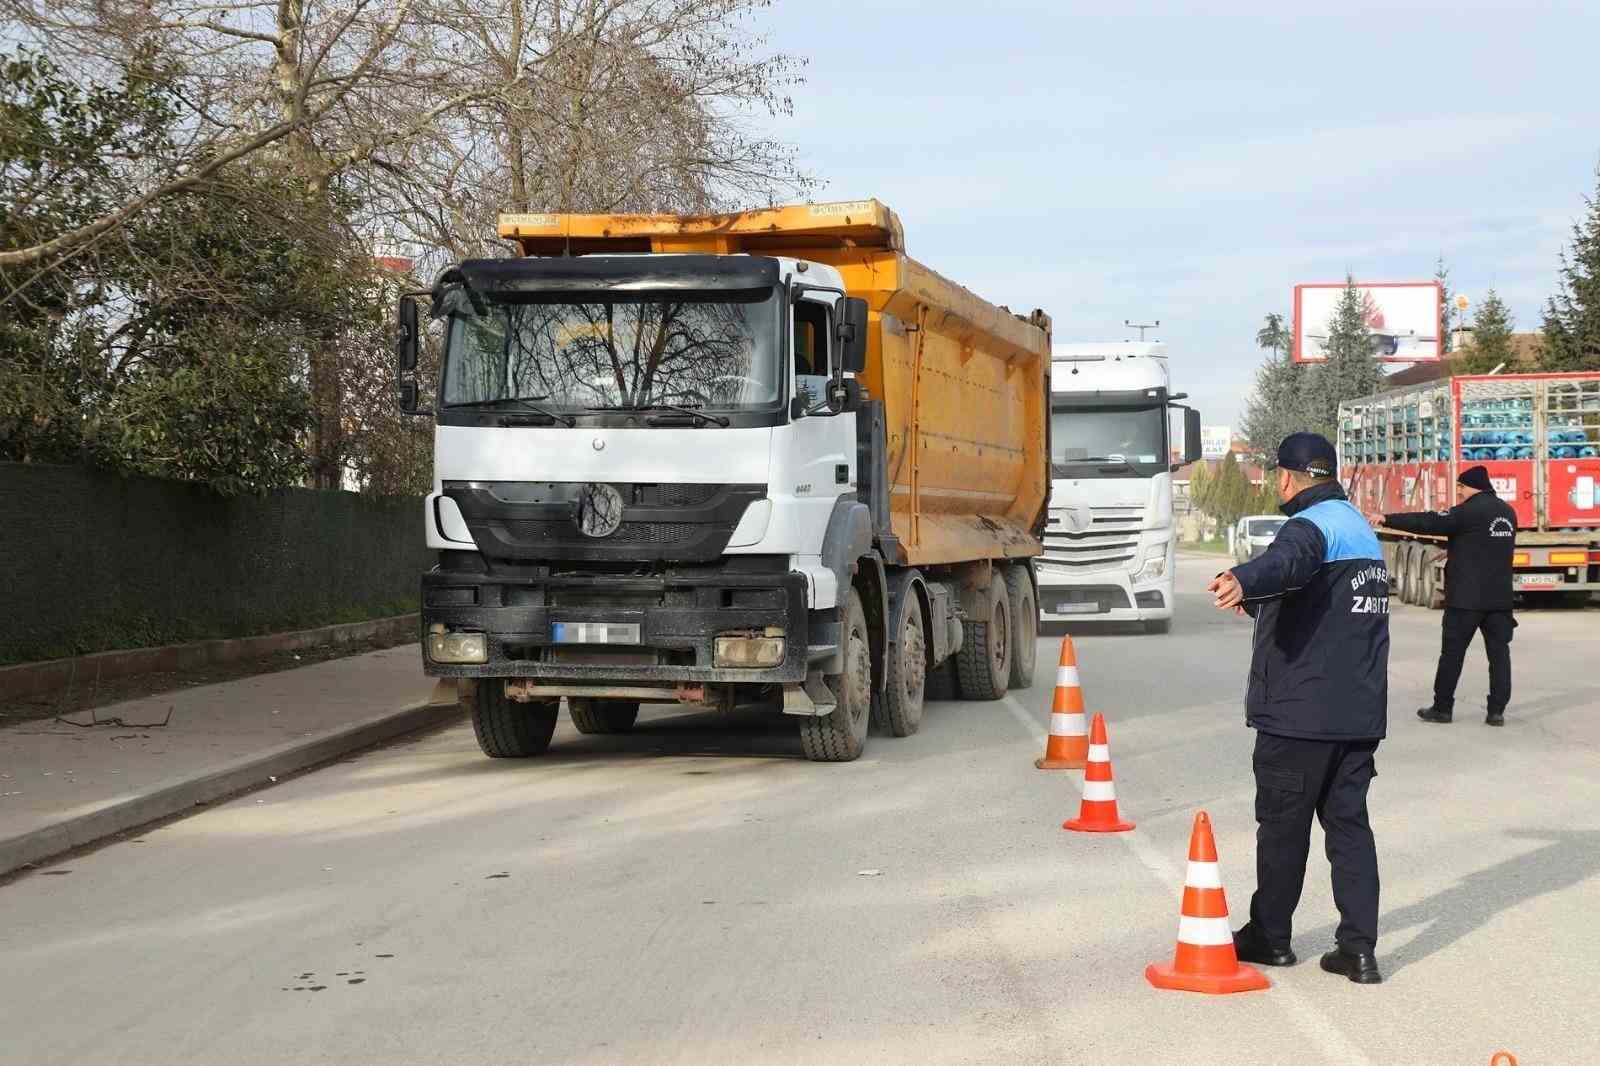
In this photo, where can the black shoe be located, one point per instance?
(1428, 714)
(1359, 966)
(1249, 946)
(1495, 719)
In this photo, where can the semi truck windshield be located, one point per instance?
(1087, 442)
(614, 353)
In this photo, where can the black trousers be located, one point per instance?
(1459, 625)
(1294, 780)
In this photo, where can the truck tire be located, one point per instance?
(1025, 625)
(603, 716)
(1432, 594)
(942, 683)
(905, 677)
(841, 734)
(983, 668)
(1402, 571)
(1414, 571)
(507, 729)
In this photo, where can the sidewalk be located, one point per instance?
(63, 786)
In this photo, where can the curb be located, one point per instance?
(27, 678)
(178, 795)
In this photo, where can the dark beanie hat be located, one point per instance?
(1476, 477)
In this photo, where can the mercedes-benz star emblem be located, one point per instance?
(599, 510)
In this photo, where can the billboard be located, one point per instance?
(1214, 441)
(1402, 315)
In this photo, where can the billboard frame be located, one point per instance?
(1438, 315)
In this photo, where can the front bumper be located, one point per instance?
(517, 615)
(1102, 596)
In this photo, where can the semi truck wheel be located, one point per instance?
(839, 735)
(1402, 571)
(1430, 597)
(1025, 626)
(984, 665)
(1414, 572)
(899, 713)
(603, 716)
(507, 729)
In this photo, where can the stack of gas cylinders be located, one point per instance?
(1503, 429)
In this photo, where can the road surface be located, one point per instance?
(698, 894)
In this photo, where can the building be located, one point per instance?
(1525, 347)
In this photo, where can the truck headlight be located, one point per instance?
(458, 648)
(1155, 563)
(739, 651)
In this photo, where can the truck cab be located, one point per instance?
(1111, 457)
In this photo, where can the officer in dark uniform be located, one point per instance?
(1477, 588)
(1318, 701)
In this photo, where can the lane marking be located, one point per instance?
(1316, 1025)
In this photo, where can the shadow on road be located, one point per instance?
(1462, 909)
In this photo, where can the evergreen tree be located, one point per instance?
(1352, 368)
(1572, 316)
(1276, 406)
(1447, 311)
(1491, 337)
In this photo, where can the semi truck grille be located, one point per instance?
(1110, 542)
(536, 521)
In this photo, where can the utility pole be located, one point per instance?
(1141, 326)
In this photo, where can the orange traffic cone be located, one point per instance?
(1205, 960)
(1068, 746)
(1098, 812)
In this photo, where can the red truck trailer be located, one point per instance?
(1539, 437)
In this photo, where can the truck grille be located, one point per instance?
(1109, 544)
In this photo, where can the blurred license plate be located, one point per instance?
(1541, 580)
(1076, 608)
(594, 633)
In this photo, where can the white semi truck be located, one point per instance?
(1110, 454)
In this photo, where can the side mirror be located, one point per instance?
(1191, 435)
(852, 335)
(408, 397)
(405, 348)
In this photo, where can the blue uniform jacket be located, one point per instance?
(1320, 598)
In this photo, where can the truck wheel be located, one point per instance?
(507, 729)
(899, 712)
(1402, 571)
(1430, 597)
(1414, 569)
(984, 665)
(839, 735)
(1025, 626)
(603, 716)
(941, 683)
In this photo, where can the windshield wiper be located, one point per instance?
(529, 402)
(700, 418)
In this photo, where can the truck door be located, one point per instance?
(819, 464)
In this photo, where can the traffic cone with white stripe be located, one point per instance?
(1068, 746)
(1098, 812)
(1205, 960)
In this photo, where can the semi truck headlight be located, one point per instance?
(749, 650)
(1155, 563)
(458, 648)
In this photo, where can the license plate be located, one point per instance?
(594, 633)
(1540, 580)
(1076, 608)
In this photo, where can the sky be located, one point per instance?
(1191, 163)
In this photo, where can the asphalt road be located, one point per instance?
(697, 893)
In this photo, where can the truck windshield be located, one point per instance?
(613, 352)
(1089, 442)
(1266, 527)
